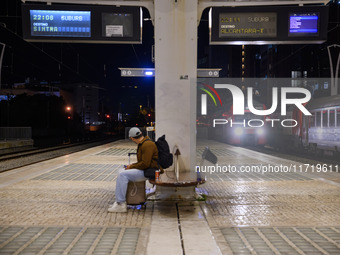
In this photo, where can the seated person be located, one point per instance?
(147, 156)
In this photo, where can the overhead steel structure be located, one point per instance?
(201, 4)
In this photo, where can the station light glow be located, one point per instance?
(238, 131)
(148, 73)
(260, 131)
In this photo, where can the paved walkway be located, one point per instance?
(60, 207)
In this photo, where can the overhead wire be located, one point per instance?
(136, 54)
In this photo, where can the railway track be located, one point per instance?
(35, 155)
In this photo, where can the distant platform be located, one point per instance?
(11, 145)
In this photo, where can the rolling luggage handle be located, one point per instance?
(131, 153)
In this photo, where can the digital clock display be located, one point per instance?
(60, 23)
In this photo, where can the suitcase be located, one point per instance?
(135, 193)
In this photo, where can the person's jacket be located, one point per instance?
(147, 155)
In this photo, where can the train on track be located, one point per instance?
(318, 133)
(247, 129)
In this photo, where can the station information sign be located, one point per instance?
(248, 25)
(303, 24)
(60, 23)
(82, 23)
(268, 25)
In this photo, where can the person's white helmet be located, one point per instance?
(134, 132)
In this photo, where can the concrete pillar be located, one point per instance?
(175, 76)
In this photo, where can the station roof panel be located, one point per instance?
(208, 2)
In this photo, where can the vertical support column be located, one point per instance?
(176, 75)
(334, 75)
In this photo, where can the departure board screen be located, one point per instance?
(60, 23)
(82, 23)
(303, 24)
(268, 25)
(247, 25)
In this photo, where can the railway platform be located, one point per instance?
(255, 204)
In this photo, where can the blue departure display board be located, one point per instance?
(60, 23)
(82, 23)
(302, 24)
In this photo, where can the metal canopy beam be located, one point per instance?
(150, 72)
(148, 4)
(202, 4)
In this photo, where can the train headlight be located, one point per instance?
(260, 131)
(238, 131)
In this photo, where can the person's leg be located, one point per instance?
(124, 176)
(123, 179)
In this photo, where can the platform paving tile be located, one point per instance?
(281, 240)
(251, 176)
(59, 216)
(283, 213)
(64, 211)
(82, 172)
(272, 203)
(117, 152)
(69, 240)
(106, 160)
(77, 203)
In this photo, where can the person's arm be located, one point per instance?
(148, 149)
